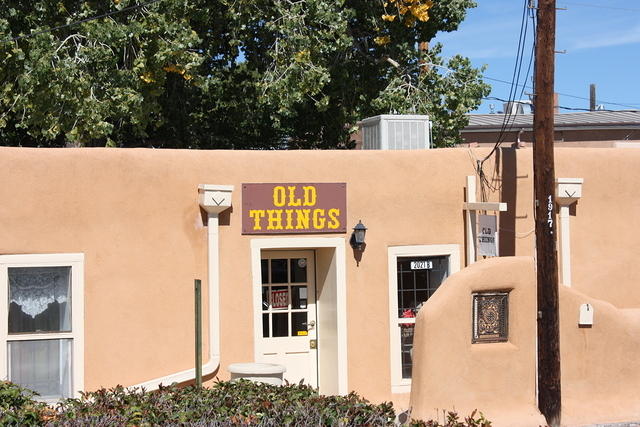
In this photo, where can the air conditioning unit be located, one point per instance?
(396, 132)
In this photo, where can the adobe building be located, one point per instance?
(100, 248)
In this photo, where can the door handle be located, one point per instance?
(311, 324)
(313, 344)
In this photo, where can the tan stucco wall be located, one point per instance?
(134, 214)
(599, 365)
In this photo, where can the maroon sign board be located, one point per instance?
(293, 208)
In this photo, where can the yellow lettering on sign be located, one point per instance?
(279, 196)
(292, 196)
(310, 195)
(257, 215)
(333, 219)
(318, 219)
(274, 219)
(289, 217)
(302, 219)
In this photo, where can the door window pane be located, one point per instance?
(280, 325)
(299, 297)
(298, 270)
(279, 297)
(43, 366)
(264, 269)
(279, 271)
(265, 298)
(265, 325)
(299, 324)
(39, 299)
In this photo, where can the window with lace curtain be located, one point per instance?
(42, 300)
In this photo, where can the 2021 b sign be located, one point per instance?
(291, 208)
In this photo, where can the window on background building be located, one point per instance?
(42, 300)
(415, 273)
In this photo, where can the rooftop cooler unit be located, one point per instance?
(396, 132)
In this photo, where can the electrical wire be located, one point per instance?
(82, 21)
(494, 98)
(486, 184)
(601, 6)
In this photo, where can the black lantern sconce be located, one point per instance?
(357, 237)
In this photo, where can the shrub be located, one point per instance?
(18, 407)
(240, 403)
(225, 404)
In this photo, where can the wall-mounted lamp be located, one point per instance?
(357, 237)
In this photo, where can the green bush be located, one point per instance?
(240, 403)
(225, 404)
(18, 407)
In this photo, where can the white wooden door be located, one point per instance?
(288, 314)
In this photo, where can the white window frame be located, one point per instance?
(399, 384)
(76, 262)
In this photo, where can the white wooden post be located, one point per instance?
(471, 206)
(471, 220)
(568, 191)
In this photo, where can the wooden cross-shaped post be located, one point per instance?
(471, 206)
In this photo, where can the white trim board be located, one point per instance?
(337, 243)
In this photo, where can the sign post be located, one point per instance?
(471, 206)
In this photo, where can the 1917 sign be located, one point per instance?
(294, 208)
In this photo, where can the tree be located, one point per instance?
(226, 73)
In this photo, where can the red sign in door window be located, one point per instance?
(280, 298)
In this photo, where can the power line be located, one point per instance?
(634, 106)
(601, 6)
(82, 21)
(495, 98)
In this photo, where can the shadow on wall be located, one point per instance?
(600, 367)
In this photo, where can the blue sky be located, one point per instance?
(601, 39)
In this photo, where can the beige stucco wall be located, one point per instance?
(134, 214)
(600, 369)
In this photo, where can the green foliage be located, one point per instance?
(225, 404)
(476, 419)
(226, 73)
(17, 407)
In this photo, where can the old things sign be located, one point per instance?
(291, 208)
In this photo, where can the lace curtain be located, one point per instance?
(39, 299)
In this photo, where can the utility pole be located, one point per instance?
(592, 97)
(549, 396)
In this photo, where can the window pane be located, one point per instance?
(279, 297)
(279, 273)
(299, 324)
(280, 325)
(299, 297)
(264, 264)
(265, 325)
(298, 270)
(265, 298)
(43, 366)
(406, 337)
(39, 299)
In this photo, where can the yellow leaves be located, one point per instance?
(302, 56)
(382, 40)
(409, 11)
(421, 11)
(172, 68)
(147, 77)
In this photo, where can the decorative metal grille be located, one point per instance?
(490, 317)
